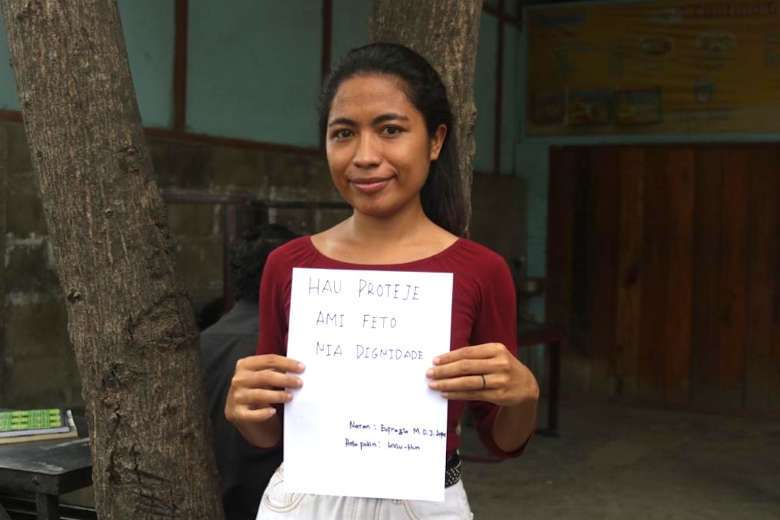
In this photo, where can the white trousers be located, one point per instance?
(278, 504)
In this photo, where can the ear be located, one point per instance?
(437, 141)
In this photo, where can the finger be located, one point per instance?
(272, 361)
(483, 351)
(266, 379)
(461, 384)
(465, 367)
(255, 415)
(468, 396)
(261, 397)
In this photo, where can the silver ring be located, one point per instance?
(484, 383)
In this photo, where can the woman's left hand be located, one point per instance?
(487, 372)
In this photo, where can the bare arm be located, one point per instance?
(515, 424)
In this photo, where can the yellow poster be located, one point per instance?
(664, 66)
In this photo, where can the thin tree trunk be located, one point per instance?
(446, 33)
(132, 329)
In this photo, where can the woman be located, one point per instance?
(390, 147)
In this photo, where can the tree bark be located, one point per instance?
(132, 329)
(446, 32)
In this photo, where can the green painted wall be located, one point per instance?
(8, 99)
(254, 69)
(350, 26)
(148, 26)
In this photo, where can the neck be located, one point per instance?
(403, 225)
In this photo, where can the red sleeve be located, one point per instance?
(274, 290)
(496, 322)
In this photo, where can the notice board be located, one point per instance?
(653, 67)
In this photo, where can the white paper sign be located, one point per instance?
(365, 422)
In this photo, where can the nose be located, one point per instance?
(367, 153)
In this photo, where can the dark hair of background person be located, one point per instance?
(248, 256)
(442, 195)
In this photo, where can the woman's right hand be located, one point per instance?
(258, 383)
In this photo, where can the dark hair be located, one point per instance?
(442, 194)
(210, 313)
(248, 256)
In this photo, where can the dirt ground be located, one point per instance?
(614, 461)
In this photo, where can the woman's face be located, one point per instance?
(378, 146)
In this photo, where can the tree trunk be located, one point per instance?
(132, 329)
(446, 33)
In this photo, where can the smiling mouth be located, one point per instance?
(370, 185)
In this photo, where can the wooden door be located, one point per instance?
(663, 264)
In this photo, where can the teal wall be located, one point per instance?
(254, 69)
(350, 26)
(148, 26)
(8, 99)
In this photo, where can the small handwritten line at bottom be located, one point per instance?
(368, 445)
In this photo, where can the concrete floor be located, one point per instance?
(613, 461)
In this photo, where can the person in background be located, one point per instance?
(244, 469)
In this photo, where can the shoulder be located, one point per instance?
(296, 252)
(476, 257)
(277, 272)
(480, 273)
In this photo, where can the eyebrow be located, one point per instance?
(376, 121)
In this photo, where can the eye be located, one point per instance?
(392, 130)
(340, 134)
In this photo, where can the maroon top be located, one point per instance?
(483, 308)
